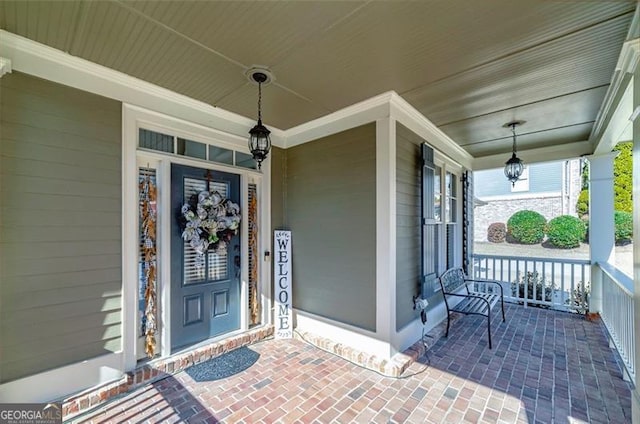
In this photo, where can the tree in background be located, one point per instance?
(623, 177)
(622, 181)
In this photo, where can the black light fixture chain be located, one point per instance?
(259, 101)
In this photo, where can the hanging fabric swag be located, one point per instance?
(148, 219)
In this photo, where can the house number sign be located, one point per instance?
(282, 272)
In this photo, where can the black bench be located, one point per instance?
(475, 301)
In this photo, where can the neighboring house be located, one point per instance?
(550, 188)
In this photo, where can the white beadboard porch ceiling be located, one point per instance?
(469, 66)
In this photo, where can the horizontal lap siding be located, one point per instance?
(60, 226)
(331, 210)
(407, 224)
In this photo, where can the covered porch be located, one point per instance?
(546, 366)
(375, 139)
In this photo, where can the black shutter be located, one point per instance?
(467, 222)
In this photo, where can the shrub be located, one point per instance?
(566, 231)
(497, 232)
(543, 292)
(580, 298)
(582, 206)
(526, 227)
(622, 181)
(623, 177)
(585, 220)
(624, 227)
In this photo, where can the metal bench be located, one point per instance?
(479, 296)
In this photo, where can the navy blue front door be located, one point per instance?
(205, 301)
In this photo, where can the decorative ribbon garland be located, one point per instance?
(253, 254)
(148, 219)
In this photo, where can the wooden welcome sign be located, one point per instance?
(282, 273)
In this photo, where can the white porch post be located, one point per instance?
(601, 225)
(386, 228)
(635, 395)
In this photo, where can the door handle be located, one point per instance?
(236, 261)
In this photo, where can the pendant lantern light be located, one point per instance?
(259, 139)
(514, 167)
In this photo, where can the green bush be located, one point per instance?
(623, 177)
(566, 231)
(624, 227)
(582, 206)
(580, 298)
(526, 285)
(497, 232)
(526, 227)
(586, 227)
(622, 181)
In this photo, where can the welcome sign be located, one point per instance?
(282, 273)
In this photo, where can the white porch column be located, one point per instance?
(635, 394)
(385, 228)
(601, 224)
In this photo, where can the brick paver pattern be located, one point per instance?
(546, 367)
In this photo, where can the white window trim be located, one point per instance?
(448, 166)
(522, 185)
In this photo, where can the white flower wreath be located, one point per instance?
(210, 221)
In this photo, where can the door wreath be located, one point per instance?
(209, 221)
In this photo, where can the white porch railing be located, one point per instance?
(561, 284)
(618, 313)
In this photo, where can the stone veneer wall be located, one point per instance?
(501, 211)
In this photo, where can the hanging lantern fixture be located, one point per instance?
(259, 139)
(513, 167)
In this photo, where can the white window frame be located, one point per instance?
(522, 184)
(448, 166)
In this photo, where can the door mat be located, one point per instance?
(224, 366)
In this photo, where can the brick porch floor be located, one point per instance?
(545, 367)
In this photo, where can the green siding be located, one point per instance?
(60, 226)
(408, 186)
(331, 211)
(278, 179)
(278, 160)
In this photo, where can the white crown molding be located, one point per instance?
(541, 154)
(619, 123)
(353, 116)
(629, 56)
(411, 118)
(389, 104)
(625, 68)
(5, 66)
(54, 65)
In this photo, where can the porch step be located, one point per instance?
(90, 400)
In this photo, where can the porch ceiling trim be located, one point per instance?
(542, 154)
(411, 118)
(617, 107)
(350, 117)
(386, 105)
(5, 66)
(42, 61)
(625, 67)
